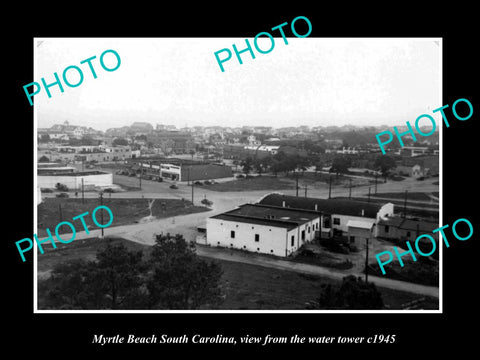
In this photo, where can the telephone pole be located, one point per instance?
(330, 188)
(366, 260)
(350, 189)
(83, 192)
(296, 182)
(101, 211)
(405, 205)
(140, 178)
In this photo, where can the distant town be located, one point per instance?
(313, 201)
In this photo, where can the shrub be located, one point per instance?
(61, 187)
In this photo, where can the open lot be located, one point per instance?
(125, 211)
(246, 286)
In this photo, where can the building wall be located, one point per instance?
(273, 240)
(75, 182)
(205, 172)
(386, 211)
(396, 233)
(344, 219)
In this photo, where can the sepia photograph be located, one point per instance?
(211, 175)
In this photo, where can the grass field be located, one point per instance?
(253, 183)
(245, 286)
(125, 211)
(420, 196)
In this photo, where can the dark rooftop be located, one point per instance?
(326, 206)
(267, 215)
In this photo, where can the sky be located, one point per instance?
(310, 81)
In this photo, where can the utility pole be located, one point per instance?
(376, 175)
(366, 260)
(405, 205)
(140, 178)
(330, 188)
(305, 190)
(83, 193)
(369, 194)
(60, 211)
(101, 211)
(296, 182)
(192, 185)
(350, 189)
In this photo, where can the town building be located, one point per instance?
(338, 216)
(263, 229)
(181, 169)
(74, 180)
(403, 229)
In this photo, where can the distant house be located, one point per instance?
(402, 229)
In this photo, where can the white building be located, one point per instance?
(263, 229)
(73, 180)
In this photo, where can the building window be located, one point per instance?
(352, 239)
(309, 229)
(336, 221)
(386, 228)
(257, 237)
(293, 240)
(303, 234)
(232, 234)
(408, 234)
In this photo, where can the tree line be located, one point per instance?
(291, 163)
(171, 277)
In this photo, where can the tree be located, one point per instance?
(384, 164)
(43, 159)
(302, 163)
(353, 294)
(61, 187)
(119, 142)
(340, 165)
(180, 279)
(44, 138)
(318, 166)
(247, 165)
(113, 281)
(118, 275)
(258, 165)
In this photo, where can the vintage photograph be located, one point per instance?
(164, 183)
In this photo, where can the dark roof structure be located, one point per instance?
(325, 206)
(268, 215)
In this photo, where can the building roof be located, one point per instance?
(326, 206)
(268, 215)
(360, 224)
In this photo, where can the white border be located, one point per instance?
(439, 311)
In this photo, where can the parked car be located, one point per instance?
(207, 202)
(62, 195)
(198, 183)
(173, 186)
